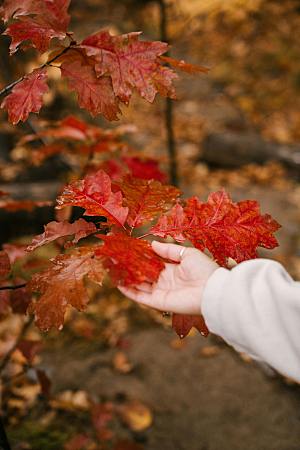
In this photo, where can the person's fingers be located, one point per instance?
(144, 298)
(145, 287)
(173, 252)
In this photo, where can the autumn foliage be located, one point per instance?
(124, 199)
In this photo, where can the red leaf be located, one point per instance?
(45, 20)
(101, 416)
(77, 442)
(20, 299)
(4, 265)
(94, 194)
(25, 205)
(62, 285)
(182, 65)
(16, 8)
(54, 230)
(114, 169)
(226, 229)
(29, 349)
(44, 152)
(26, 96)
(146, 198)
(94, 94)
(130, 63)
(130, 261)
(44, 381)
(147, 169)
(173, 224)
(182, 324)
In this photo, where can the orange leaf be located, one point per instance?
(62, 285)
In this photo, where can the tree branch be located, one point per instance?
(9, 288)
(169, 112)
(7, 88)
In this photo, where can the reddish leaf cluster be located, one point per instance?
(226, 229)
(93, 147)
(103, 70)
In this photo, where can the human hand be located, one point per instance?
(180, 286)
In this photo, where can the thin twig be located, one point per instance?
(4, 444)
(7, 88)
(10, 288)
(169, 112)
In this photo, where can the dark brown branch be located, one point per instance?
(169, 112)
(7, 88)
(4, 444)
(9, 288)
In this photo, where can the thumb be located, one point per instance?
(169, 251)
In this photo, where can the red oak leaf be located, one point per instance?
(146, 198)
(182, 65)
(114, 169)
(130, 63)
(94, 194)
(62, 285)
(54, 230)
(26, 96)
(173, 224)
(43, 21)
(4, 265)
(182, 324)
(147, 169)
(16, 8)
(94, 94)
(77, 442)
(226, 229)
(130, 261)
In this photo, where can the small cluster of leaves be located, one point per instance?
(225, 228)
(89, 148)
(103, 70)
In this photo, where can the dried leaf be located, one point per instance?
(136, 415)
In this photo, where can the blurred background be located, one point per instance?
(237, 127)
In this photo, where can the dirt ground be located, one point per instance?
(199, 403)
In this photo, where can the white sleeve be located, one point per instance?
(255, 307)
